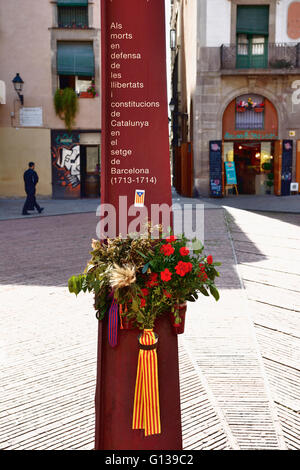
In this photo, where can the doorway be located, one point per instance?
(254, 165)
(90, 171)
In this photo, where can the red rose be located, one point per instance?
(143, 303)
(153, 280)
(167, 250)
(184, 251)
(202, 267)
(209, 259)
(166, 275)
(189, 267)
(180, 268)
(183, 268)
(145, 292)
(172, 238)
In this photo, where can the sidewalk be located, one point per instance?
(11, 208)
(50, 336)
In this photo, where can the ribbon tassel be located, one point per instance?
(113, 318)
(146, 412)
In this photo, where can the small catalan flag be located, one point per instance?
(139, 198)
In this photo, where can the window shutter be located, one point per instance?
(253, 19)
(72, 3)
(75, 59)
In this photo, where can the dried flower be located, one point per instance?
(122, 276)
(95, 244)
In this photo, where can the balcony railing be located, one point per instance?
(272, 56)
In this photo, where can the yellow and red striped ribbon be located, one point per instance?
(146, 413)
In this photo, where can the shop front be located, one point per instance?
(75, 161)
(260, 161)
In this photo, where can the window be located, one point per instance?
(79, 84)
(252, 36)
(72, 13)
(71, 17)
(75, 65)
(249, 112)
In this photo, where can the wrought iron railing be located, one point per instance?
(277, 56)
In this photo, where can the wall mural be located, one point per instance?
(65, 153)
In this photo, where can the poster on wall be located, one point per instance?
(65, 162)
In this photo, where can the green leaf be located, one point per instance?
(203, 291)
(214, 291)
(134, 305)
(75, 284)
(145, 268)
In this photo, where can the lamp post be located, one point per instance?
(172, 105)
(18, 86)
(173, 39)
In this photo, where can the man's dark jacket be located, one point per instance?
(30, 178)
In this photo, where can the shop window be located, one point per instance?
(249, 112)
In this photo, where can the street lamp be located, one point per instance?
(173, 39)
(172, 105)
(18, 86)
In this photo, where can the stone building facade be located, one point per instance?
(52, 44)
(236, 88)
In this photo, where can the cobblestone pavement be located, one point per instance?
(267, 247)
(238, 381)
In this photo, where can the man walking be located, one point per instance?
(31, 178)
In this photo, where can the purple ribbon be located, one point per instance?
(113, 319)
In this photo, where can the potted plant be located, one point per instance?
(241, 106)
(90, 92)
(66, 106)
(259, 108)
(269, 183)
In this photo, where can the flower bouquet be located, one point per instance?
(146, 277)
(136, 281)
(242, 106)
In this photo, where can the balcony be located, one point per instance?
(277, 58)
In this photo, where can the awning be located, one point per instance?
(253, 19)
(2, 92)
(72, 3)
(75, 59)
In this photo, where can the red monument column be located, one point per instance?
(135, 163)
